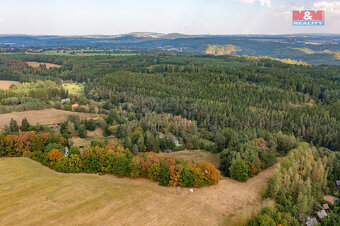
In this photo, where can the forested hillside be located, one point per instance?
(252, 110)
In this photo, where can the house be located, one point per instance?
(74, 106)
(175, 140)
(325, 206)
(337, 183)
(311, 222)
(56, 127)
(321, 214)
(66, 100)
(329, 198)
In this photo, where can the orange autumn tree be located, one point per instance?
(212, 175)
(54, 155)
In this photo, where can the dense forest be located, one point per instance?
(252, 110)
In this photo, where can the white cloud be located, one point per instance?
(1, 19)
(263, 2)
(332, 8)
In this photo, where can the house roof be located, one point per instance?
(329, 198)
(322, 214)
(325, 206)
(312, 221)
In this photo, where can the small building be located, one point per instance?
(175, 140)
(74, 106)
(311, 222)
(337, 183)
(329, 198)
(56, 127)
(66, 100)
(322, 214)
(325, 206)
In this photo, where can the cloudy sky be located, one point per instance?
(82, 17)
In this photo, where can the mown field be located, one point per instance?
(31, 194)
(74, 88)
(37, 64)
(45, 116)
(197, 156)
(5, 84)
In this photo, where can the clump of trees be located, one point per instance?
(302, 178)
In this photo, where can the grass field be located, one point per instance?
(32, 194)
(197, 156)
(73, 88)
(5, 84)
(45, 116)
(37, 64)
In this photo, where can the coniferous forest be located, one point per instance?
(254, 111)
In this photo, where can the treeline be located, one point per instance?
(304, 175)
(49, 148)
(30, 96)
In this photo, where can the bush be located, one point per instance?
(164, 176)
(186, 179)
(91, 125)
(179, 148)
(154, 172)
(61, 165)
(97, 142)
(74, 164)
(82, 131)
(135, 167)
(121, 166)
(239, 170)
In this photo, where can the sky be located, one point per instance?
(109, 17)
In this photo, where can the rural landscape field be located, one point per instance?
(227, 114)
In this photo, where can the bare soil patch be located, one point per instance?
(45, 116)
(37, 64)
(5, 84)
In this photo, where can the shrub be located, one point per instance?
(61, 165)
(239, 170)
(186, 179)
(164, 176)
(154, 172)
(54, 155)
(121, 166)
(82, 131)
(135, 167)
(74, 163)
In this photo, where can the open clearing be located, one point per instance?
(32, 194)
(196, 156)
(37, 64)
(74, 89)
(5, 84)
(45, 116)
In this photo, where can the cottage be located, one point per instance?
(325, 206)
(66, 100)
(311, 222)
(321, 214)
(74, 106)
(175, 140)
(329, 198)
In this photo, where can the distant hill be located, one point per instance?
(313, 49)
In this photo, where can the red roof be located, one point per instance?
(329, 198)
(325, 206)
